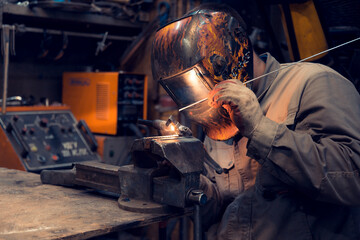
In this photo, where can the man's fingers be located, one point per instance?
(226, 92)
(219, 99)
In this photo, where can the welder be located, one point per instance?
(289, 142)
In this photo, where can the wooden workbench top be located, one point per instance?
(32, 210)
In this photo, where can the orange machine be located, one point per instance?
(105, 100)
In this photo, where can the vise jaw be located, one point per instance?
(164, 170)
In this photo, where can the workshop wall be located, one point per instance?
(54, 37)
(35, 72)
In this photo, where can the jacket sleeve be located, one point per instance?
(320, 154)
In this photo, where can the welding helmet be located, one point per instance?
(192, 54)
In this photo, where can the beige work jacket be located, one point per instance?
(298, 177)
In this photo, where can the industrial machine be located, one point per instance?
(165, 171)
(109, 102)
(37, 138)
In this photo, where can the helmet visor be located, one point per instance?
(186, 87)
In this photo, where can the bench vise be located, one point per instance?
(165, 170)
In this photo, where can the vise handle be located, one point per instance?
(100, 176)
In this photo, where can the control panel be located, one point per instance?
(50, 139)
(131, 97)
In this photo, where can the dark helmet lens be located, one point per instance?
(186, 88)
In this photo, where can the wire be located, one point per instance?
(302, 60)
(277, 70)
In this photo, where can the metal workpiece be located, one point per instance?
(181, 130)
(159, 125)
(169, 127)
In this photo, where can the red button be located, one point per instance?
(55, 157)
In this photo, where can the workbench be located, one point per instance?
(32, 210)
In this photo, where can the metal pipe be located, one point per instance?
(198, 198)
(183, 228)
(5, 39)
(76, 34)
(197, 223)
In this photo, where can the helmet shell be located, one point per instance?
(214, 38)
(217, 42)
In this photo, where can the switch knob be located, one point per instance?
(41, 159)
(43, 122)
(15, 118)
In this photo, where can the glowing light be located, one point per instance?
(178, 25)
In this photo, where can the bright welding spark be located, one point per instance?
(172, 127)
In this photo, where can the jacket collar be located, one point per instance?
(265, 82)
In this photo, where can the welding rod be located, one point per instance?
(190, 105)
(291, 64)
(157, 124)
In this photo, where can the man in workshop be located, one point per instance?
(289, 141)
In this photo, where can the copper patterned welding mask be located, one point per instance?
(192, 54)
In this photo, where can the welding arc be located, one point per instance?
(277, 70)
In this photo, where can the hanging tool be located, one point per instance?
(45, 44)
(277, 70)
(65, 42)
(101, 46)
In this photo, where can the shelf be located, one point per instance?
(77, 21)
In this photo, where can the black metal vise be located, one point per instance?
(165, 169)
(165, 172)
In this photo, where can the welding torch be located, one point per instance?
(169, 127)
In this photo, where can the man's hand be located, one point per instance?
(241, 104)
